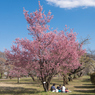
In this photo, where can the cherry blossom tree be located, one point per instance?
(49, 52)
(18, 72)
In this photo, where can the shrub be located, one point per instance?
(92, 77)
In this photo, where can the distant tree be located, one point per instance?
(18, 72)
(91, 61)
(2, 64)
(48, 52)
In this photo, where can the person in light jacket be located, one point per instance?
(63, 88)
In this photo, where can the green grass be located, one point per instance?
(80, 86)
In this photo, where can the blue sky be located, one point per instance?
(77, 14)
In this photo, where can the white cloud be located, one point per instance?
(69, 4)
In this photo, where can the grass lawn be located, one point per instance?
(80, 86)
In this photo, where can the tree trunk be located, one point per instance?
(81, 74)
(78, 74)
(45, 87)
(74, 76)
(1, 75)
(32, 77)
(70, 78)
(47, 84)
(65, 79)
(10, 77)
(18, 80)
(7, 76)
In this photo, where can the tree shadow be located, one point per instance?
(86, 80)
(91, 90)
(91, 86)
(85, 91)
(85, 88)
(88, 84)
(18, 90)
(78, 94)
(22, 83)
(30, 80)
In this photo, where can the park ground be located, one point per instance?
(79, 86)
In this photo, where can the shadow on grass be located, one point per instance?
(23, 83)
(86, 80)
(85, 87)
(85, 91)
(91, 86)
(18, 90)
(78, 94)
(88, 84)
